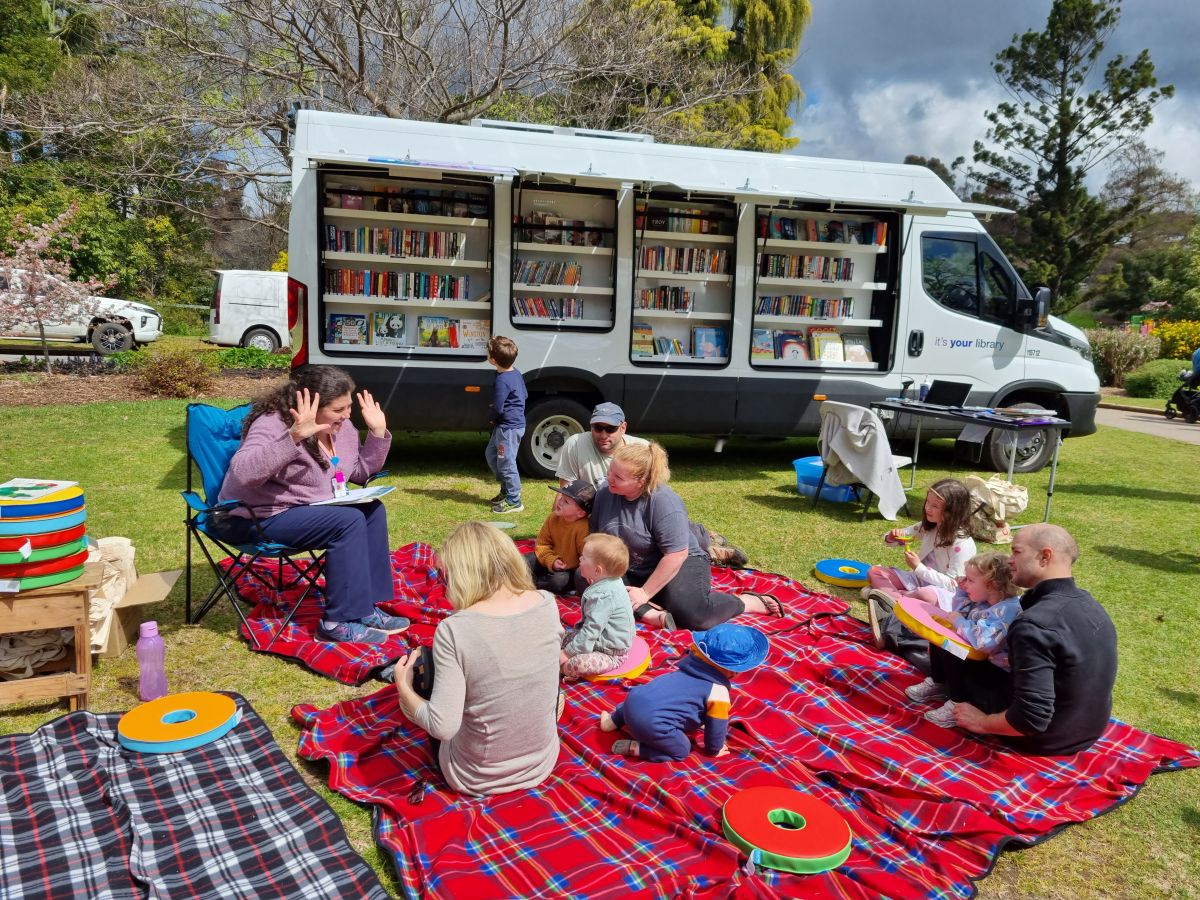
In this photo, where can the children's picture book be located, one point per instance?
(359, 495)
(346, 328)
(709, 342)
(791, 345)
(762, 343)
(857, 348)
(826, 343)
(437, 331)
(387, 329)
(473, 334)
(27, 490)
(643, 339)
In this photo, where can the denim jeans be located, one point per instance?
(501, 456)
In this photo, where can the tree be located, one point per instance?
(36, 285)
(1177, 292)
(1053, 131)
(1162, 206)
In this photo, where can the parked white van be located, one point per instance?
(107, 323)
(249, 309)
(705, 291)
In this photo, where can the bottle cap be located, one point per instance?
(148, 629)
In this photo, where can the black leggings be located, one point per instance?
(690, 599)
(975, 681)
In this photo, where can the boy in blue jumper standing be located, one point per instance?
(508, 424)
(660, 715)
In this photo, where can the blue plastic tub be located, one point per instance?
(808, 473)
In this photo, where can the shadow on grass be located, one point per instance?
(1175, 561)
(1124, 492)
(1191, 817)
(456, 496)
(1189, 699)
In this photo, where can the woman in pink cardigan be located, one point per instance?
(297, 448)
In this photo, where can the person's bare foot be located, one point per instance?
(606, 722)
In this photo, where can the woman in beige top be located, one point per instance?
(495, 664)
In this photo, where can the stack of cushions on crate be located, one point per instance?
(42, 533)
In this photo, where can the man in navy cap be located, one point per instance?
(587, 456)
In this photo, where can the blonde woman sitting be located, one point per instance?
(492, 712)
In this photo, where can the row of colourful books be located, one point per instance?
(667, 297)
(395, 241)
(686, 220)
(388, 329)
(398, 285)
(417, 201)
(821, 343)
(660, 258)
(787, 228)
(707, 342)
(823, 268)
(543, 227)
(546, 271)
(548, 307)
(805, 305)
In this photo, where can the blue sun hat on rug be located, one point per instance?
(735, 648)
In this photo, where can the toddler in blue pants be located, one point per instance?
(661, 715)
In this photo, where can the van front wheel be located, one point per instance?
(547, 426)
(1035, 447)
(111, 337)
(262, 339)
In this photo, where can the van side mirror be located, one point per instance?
(1033, 314)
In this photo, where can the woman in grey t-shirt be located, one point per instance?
(666, 564)
(495, 683)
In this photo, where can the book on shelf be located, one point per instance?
(437, 331)
(826, 343)
(657, 219)
(666, 346)
(643, 339)
(474, 334)
(709, 342)
(791, 345)
(387, 329)
(762, 343)
(856, 348)
(346, 328)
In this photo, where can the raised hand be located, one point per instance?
(372, 414)
(304, 416)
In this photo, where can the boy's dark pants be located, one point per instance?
(548, 580)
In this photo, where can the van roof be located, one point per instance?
(403, 146)
(250, 272)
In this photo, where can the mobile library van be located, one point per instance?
(705, 291)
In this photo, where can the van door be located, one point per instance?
(254, 300)
(962, 297)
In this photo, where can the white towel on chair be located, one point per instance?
(855, 449)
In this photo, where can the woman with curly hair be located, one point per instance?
(298, 448)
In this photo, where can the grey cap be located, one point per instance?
(579, 491)
(608, 414)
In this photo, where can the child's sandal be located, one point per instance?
(625, 748)
(668, 621)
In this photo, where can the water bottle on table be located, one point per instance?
(151, 655)
(924, 389)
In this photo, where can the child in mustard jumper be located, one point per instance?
(559, 543)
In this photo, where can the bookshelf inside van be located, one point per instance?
(405, 264)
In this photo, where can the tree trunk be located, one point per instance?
(45, 346)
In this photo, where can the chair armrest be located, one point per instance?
(197, 505)
(381, 474)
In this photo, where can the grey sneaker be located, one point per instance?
(943, 716)
(927, 691)
(350, 632)
(507, 506)
(385, 622)
(876, 612)
(497, 498)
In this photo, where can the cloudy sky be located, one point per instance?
(885, 78)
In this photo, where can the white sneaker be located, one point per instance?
(927, 691)
(865, 592)
(943, 716)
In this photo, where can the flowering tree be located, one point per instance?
(36, 287)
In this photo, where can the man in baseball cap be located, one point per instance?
(587, 456)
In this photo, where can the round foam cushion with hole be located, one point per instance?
(788, 830)
(843, 572)
(633, 663)
(919, 620)
(178, 722)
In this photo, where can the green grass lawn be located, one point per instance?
(1129, 499)
(1157, 403)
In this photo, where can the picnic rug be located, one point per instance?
(82, 817)
(420, 595)
(930, 808)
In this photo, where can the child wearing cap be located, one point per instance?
(559, 543)
(661, 714)
(605, 632)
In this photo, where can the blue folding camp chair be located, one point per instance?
(213, 436)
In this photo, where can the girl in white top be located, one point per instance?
(943, 544)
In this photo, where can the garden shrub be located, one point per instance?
(1179, 339)
(252, 358)
(1116, 353)
(175, 373)
(127, 360)
(1157, 378)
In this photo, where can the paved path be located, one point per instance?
(1150, 422)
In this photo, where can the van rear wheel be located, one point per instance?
(547, 426)
(261, 338)
(1035, 447)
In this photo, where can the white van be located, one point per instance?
(705, 291)
(249, 309)
(107, 323)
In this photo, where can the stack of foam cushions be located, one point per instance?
(42, 541)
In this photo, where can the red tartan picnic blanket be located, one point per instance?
(929, 808)
(420, 595)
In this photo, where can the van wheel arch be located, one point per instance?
(549, 420)
(1035, 449)
(262, 337)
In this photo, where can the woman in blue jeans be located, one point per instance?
(297, 448)
(670, 576)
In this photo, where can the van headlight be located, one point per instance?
(1082, 347)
